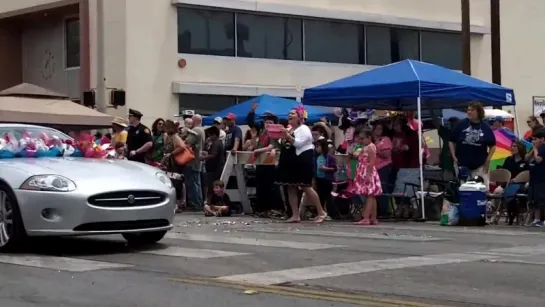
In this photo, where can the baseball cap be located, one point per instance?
(230, 116)
(218, 120)
(498, 119)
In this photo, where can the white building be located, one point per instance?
(209, 54)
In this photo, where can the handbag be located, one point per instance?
(185, 156)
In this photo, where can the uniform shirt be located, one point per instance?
(136, 138)
(514, 167)
(537, 170)
(472, 143)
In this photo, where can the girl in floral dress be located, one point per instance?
(367, 181)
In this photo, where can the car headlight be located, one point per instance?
(51, 183)
(164, 179)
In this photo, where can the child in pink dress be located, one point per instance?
(367, 181)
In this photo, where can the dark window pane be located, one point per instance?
(389, 45)
(71, 37)
(333, 42)
(269, 37)
(443, 49)
(243, 98)
(205, 104)
(205, 32)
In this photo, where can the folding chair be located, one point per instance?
(403, 189)
(509, 194)
(512, 192)
(498, 177)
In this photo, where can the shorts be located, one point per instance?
(536, 194)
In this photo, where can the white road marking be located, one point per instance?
(175, 251)
(60, 263)
(374, 236)
(250, 241)
(351, 268)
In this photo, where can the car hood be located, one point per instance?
(83, 168)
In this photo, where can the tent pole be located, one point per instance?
(421, 156)
(517, 127)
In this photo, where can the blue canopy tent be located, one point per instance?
(271, 104)
(398, 86)
(409, 85)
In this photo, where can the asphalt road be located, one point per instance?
(246, 262)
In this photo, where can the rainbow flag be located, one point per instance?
(503, 148)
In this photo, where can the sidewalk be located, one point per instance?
(197, 220)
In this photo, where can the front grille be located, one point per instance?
(122, 225)
(127, 199)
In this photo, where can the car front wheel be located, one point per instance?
(144, 238)
(12, 231)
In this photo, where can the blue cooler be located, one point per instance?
(473, 202)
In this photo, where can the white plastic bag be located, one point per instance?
(449, 214)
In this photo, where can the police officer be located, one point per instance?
(139, 139)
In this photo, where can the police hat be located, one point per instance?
(135, 113)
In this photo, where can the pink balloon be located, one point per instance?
(31, 145)
(89, 153)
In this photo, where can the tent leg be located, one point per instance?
(517, 127)
(421, 159)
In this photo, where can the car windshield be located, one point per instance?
(35, 132)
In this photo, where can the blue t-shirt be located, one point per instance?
(234, 133)
(321, 160)
(537, 170)
(472, 142)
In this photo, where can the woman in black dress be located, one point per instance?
(296, 165)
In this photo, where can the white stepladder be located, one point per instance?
(234, 166)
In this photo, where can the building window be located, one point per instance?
(248, 35)
(442, 48)
(269, 37)
(389, 45)
(71, 43)
(205, 104)
(334, 42)
(206, 32)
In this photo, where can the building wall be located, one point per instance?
(141, 42)
(44, 60)
(523, 64)
(10, 55)
(18, 7)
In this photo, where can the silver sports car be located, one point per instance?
(78, 196)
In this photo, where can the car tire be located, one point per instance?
(17, 234)
(144, 238)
